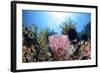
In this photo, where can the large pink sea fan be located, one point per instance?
(58, 41)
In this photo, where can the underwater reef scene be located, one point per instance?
(55, 36)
